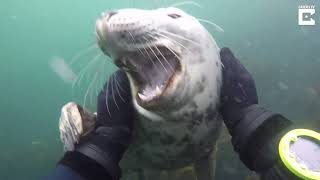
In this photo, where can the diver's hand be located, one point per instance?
(114, 106)
(238, 90)
(104, 147)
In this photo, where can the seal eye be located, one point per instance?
(174, 16)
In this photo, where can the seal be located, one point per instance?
(175, 74)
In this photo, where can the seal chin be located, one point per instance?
(153, 73)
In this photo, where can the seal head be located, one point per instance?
(152, 46)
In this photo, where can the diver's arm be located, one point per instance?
(76, 166)
(62, 172)
(255, 131)
(98, 154)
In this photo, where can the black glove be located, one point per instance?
(255, 131)
(238, 90)
(97, 156)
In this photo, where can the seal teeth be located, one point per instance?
(142, 97)
(125, 62)
(158, 91)
(148, 94)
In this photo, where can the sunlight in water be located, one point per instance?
(62, 69)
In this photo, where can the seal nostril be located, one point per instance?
(111, 13)
(108, 15)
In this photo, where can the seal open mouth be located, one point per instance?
(153, 71)
(151, 63)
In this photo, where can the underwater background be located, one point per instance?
(41, 40)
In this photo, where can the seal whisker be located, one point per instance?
(107, 94)
(142, 53)
(181, 37)
(173, 41)
(88, 89)
(100, 79)
(82, 53)
(186, 3)
(217, 27)
(164, 58)
(149, 54)
(175, 54)
(170, 49)
(133, 40)
(93, 85)
(83, 71)
(112, 92)
(148, 44)
(119, 87)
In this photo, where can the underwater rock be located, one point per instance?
(185, 174)
(253, 176)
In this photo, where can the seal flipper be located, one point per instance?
(205, 167)
(74, 123)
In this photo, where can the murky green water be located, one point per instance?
(283, 57)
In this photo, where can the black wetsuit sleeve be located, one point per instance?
(76, 166)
